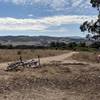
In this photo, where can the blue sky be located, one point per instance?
(44, 17)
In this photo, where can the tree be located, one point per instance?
(95, 3)
(58, 45)
(95, 45)
(93, 26)
(52, 44)
(82, 44)
(72, 45)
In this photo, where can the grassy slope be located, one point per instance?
(86, 56)
(11, 55)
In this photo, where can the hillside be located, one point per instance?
(36, 40)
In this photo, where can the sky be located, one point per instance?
(59, 18)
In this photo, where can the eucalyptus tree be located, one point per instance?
(93, 27)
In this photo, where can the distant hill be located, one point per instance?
(36, 40)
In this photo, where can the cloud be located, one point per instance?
(58, 5)
(41, 24)
(53, 4)
(58, 20)
(30, 15)
(20, 24)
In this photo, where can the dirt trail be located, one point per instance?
(47, 60)
(57, 58)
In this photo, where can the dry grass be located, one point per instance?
(52, 82)
(11, 55)
(86, 56)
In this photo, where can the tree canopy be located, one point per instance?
(93, 26)
(95, 3)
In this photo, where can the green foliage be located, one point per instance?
(58, 45)
(95, 3)
(82, 44)
(93, 27)
(72, 45)
(95, 45)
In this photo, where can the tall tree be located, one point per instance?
(93, 26)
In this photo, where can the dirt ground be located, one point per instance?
(59, 78)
